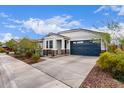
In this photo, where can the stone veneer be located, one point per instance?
(55, 52)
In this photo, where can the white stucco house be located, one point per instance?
(75, 42)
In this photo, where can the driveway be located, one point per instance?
(70, 70)
(15, 73)
(61, 72)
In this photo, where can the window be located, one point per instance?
(50, 44)
(46, 44)
(74, 42)
(80, 42)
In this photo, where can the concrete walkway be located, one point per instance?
(70, 70)
(15, 73)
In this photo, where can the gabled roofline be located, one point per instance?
(65, 37)
(70, 31)
(75, 30)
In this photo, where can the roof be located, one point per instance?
(70, 31)
(75, 30)
(65, 37)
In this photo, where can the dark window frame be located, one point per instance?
(51, 44)
(46, 44)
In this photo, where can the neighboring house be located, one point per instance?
(75, 42)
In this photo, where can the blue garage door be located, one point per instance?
(86, 47)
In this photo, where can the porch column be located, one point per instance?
(68, 46)
(54, 44)
(54, 47)
(44, 44)
(63, 44)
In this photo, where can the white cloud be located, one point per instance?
(15, 21)
(121, 12)
(106, 14)
(2, 14)
(43, 26)
(54, 24)
(6, 37)
(115, 8)
(10, 26)
(100, 9)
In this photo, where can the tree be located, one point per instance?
(106, 39)
(114, 28)
(111, 33)
(11, 44)
(121, 40)
(27, 47)
(1, 44)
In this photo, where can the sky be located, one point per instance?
(36, 21)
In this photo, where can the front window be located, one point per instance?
(50, 44)
(46, 44)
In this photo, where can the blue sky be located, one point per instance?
(36, 21)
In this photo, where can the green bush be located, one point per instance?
(112, 48)
(28, 54)
(118, 75)
(113, 62)
(104, 61)
(35, 58)
(2, 50)
(119, 51)
(119, 60)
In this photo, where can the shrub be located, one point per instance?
(120, 57)
(113, 62)
(118, 75)
(103, 60)
(35, 58)
(112, 48)
(2, 50)
(119, 51)
(28, 54)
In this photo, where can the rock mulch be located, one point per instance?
(98, 78)
(26, 60)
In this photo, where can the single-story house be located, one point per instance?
(74, 42)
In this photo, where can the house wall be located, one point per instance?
(54, 38)
(82, 35)
(59, 44)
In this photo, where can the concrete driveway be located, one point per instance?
(62, 72)
(17, 74)
(70, 70)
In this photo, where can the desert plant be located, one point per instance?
(106, 38)
(1, 43)
(104, 61)
(28, 54)
(113, 62)
(2, 50)
(120, 59)
(118, 68)
(112, 48)
(35, 58)
(11, 44)
(26, 47)
(121, 41)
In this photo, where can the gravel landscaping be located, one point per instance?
(98, 78)
(26, 60)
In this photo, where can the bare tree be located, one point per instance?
(111, 32)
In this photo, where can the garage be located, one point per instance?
(86, 47)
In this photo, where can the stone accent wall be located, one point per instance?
(54, 52)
